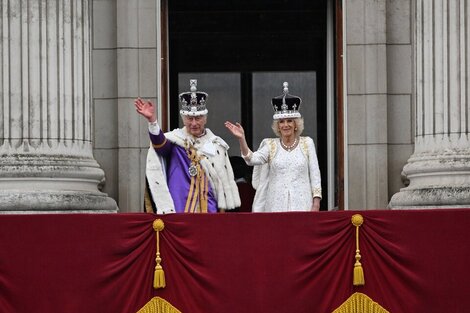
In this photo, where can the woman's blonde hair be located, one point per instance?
(299, 126)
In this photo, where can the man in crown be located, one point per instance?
(188, 169)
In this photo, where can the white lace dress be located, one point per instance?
(291, 180)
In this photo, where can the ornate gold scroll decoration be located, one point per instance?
(360, 303)
(158, 305)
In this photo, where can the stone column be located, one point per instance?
(46, 160)
(439, 170)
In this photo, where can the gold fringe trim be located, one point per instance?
(358, 275)
(360, 303)
(158, 305)
(147, 201)
(272, 150)
(159, 276)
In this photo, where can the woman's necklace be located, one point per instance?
(290, 147)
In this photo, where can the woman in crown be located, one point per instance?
(286, 175)
(188, 169)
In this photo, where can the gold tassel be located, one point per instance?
(159, 276)
(358, 276)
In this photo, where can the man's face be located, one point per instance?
(195, 124)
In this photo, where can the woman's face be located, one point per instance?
(287, 127)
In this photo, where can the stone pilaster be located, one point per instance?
(439, 170)
(46, 160)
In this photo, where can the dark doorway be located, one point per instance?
(246, 39)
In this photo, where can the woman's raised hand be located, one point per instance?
(146, 109)
(236, 129)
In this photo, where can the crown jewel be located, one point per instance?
(193, 102)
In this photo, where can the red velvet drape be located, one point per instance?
(75, 263)
(413, 261)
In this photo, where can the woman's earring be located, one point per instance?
(295, 128)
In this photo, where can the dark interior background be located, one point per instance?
(248, 36)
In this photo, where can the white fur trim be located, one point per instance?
(195, 113)
(278, 116)
(157, 183)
